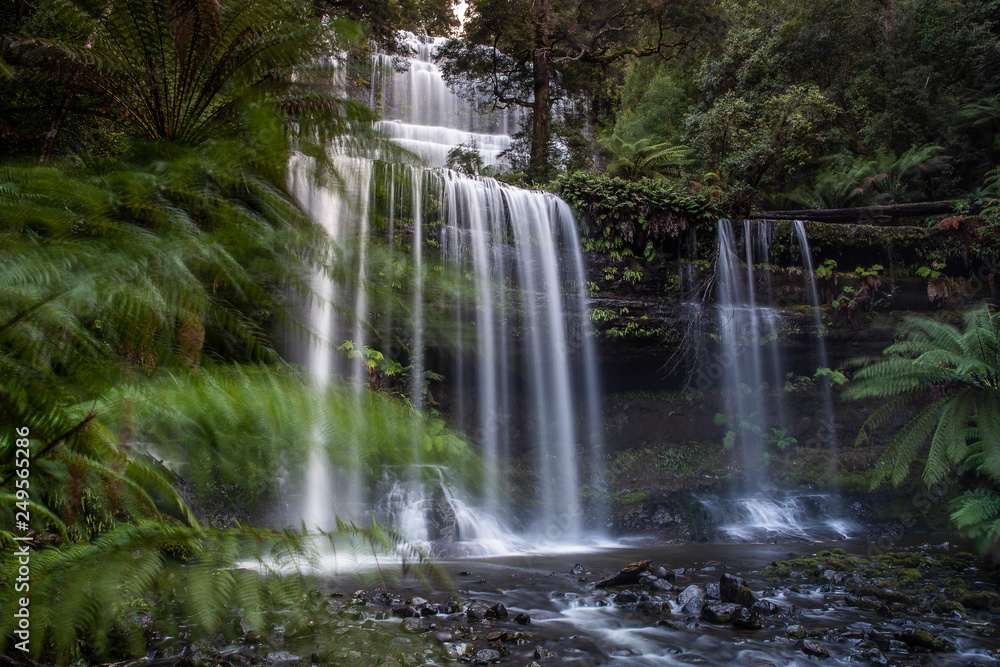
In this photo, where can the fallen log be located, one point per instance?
(860, 215)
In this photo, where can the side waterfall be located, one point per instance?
(752, 369)
(520, 364)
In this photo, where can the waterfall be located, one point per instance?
(749, 361)
(519, 363)
(752, 368)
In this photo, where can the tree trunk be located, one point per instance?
(861, 215)
(541, 111)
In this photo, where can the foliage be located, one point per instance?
(814, 99)
(533, 54)
(951, 378)
(625, 218)
(835, 377)
(644, 159)
(466, 159)
(215, 72)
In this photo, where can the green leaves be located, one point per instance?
(622, 217)
(954, 378)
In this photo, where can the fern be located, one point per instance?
(954, 374)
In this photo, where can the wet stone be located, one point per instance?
(408, 611)
(626, 597)
(522, 619)
(872, 656)
(712, 592)
(497, 611)
(486, 656)
(476, 611)
(690, 593)
(719, 612)
(498, 636)
(809, 647)
(577, 569)
(693, 607)
(541, 653)
(748, 619)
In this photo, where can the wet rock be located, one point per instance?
(766, 607)
(411, 625)
(626, 576)
(626, 597)
(734, 589)
(577, 569)
(486, 656)
(649, 607)
(661, 585)
(429, 610)
(679, 572)
(692, 592)
(693, 607)
(451, 606)
(748, 619)
(661, 572)
(280, 658)
(809, 647)
(542, 653)
(795, 631)
(981, 601)
(497, 611)
(712, 591)
(408, 611)
(872, 656)
(719, 612)
(920, 639)
(498, 636)
(522, 619)
(476, 612)
(417, 601)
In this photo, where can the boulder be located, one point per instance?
(626, 576)
(719, 612)
(809, 647)
(476, 611)
(486, 656)
(690, 593)
(734, 589)
(748, 619)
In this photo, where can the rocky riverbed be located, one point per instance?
(739, 604)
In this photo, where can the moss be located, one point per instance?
(908, 576)
(981, 601)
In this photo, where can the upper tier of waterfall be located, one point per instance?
(424, 116)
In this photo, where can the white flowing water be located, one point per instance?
(521, 358)
(749, 360)
(752, 368)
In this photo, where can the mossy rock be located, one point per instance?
(981, 601)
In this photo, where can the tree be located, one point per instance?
(951, 378)
(523, 53)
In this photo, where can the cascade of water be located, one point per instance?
(810, 516)
(521, 353)
(751, 362)
(747, 332)
(826, 433)
(422, 115)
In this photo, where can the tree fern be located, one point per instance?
(954, 376)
